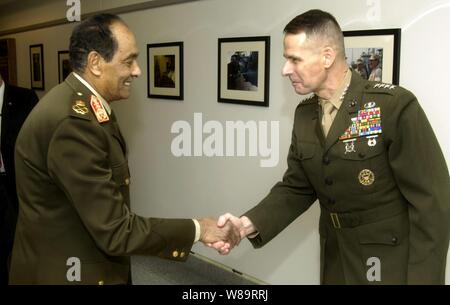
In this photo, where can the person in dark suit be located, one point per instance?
(367, 152)
(15, 105)
(233, 72)
(75, 225)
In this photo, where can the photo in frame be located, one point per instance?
(165, 70)
(64, 68)
(374, 54)
(243, 66)
(37, 66)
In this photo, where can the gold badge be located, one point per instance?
(366, 177)
(80, 108)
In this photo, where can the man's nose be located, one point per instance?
(136, 70)
(287, 69)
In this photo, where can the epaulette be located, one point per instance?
(79, 109)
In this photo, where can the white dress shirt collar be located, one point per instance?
(84, 82)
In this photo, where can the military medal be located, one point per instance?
(350, 146)
(372, 141)
(80, 107)
(99, 110)
(366, 123)
(366, 177)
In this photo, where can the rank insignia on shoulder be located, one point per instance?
(384, 86)
(80, 107)
(99, 110)
(367, 123)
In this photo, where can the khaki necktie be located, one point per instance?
(327, 118)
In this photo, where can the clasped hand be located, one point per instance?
(227, 232)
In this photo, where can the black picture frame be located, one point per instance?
(244, 70)
(165, 72)
(382, 43)
(37, 74)
(64, 68)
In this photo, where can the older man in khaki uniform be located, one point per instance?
(367, 152)
(75, 224)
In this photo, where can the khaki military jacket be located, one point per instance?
(382, 184)
(74, 202)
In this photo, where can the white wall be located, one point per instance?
(31, 12)
(166, 186)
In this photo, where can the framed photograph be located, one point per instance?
(243, 66)
(64, 67)
(374, 54)
(165, 70)
(37, 66)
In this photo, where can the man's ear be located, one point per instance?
(329, 56)
(94, 63)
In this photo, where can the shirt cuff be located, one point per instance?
(197, 230)
(253, 235)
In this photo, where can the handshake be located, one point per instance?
(225, 233)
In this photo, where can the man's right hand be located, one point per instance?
(211, 233)
(243, 224)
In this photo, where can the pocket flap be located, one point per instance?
(361, 148)
(385, 232)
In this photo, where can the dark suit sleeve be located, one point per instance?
(31, 100)
(78, 162)
(421, 173)
(287, 200)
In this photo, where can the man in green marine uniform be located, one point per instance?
(367, 152)
(75, 224)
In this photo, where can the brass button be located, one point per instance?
(394, 240)
(101, 283)
(127, 181)
(182, 254)
(175, 253)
